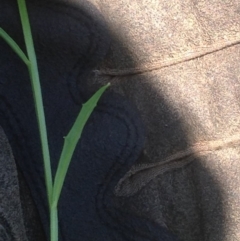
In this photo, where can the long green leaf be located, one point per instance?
(14, 46)
(37, 93)
(71, 141)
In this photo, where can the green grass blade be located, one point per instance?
(71, 141)
(14, 46)
(36, 87)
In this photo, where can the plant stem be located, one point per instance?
(71, 140)
(37, 94)
(53, 223)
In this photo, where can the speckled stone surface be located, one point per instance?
(178, 62)
(11, 215)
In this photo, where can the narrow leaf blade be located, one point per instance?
(71, 141)
(14, 46)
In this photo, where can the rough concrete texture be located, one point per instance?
(178, 61)
(11, 216)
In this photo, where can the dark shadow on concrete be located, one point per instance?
(178, 199)
(167, 205)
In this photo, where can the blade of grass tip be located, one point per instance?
(70, 142)
(36, 87)
(14, 46)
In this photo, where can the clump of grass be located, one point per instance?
(70, 141)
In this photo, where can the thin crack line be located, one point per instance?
(169, 62)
